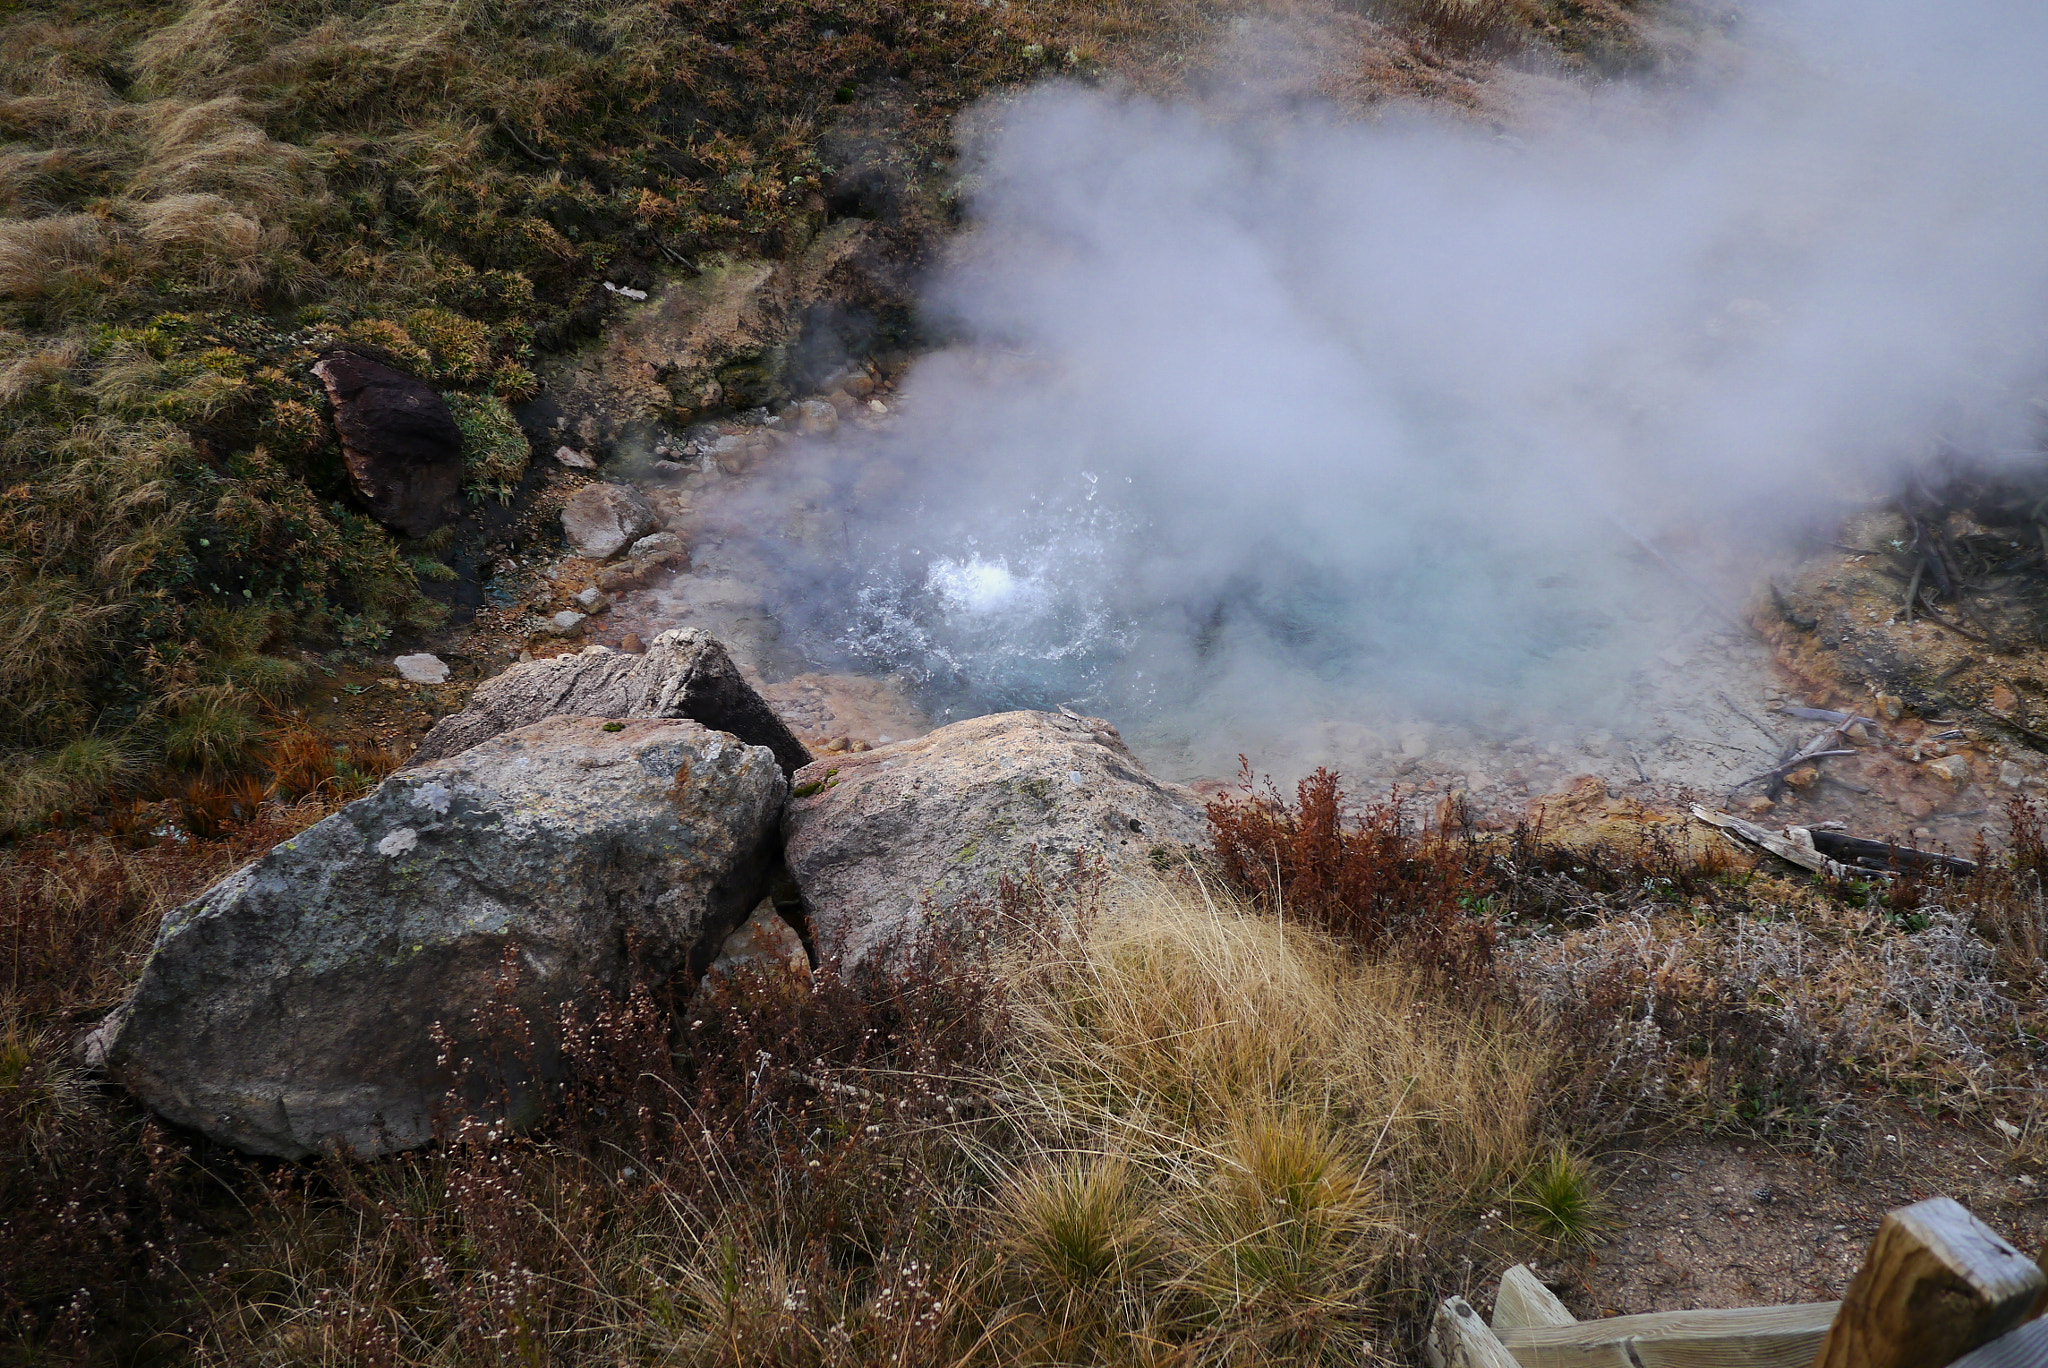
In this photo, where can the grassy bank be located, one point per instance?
(195, 199)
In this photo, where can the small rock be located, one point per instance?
(670, 470)
(2004, 700)
(1915, 807)
(1890, 707)
(877, 406)
(2010, 775)
(567, 622)
(1954, 768)
(631, 644)
(813, 418)
(763, 947)
(593, 600)
(658, 544)
(1806, 776)
(603, 519)
(574, 459)
(1759, 804)
(424, 668)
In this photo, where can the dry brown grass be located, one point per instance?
(1175, 1128)
(44, 257)
(199, 198)
(1237, 1128)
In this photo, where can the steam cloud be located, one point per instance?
(1263, 417)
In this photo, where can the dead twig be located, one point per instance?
(1819, 748)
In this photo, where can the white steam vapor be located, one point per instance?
(1259, 417)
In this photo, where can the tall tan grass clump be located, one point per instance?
(1239, 1126)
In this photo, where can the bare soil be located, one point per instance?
(1726, 1223)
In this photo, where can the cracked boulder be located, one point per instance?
(293, 1008)
(684, 673)
(887, 843)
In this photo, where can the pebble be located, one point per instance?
(422, 668)
(657, 544)
(574, 459)
(567, 622)
(1954, 768)
(813, 418)
(593, 600)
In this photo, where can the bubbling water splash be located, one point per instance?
(1001, 612)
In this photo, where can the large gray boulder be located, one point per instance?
(685, 673)
(292, 1007)
(885, 842)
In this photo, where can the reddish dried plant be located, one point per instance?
(1371, 877)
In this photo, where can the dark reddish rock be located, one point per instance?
(401, 444)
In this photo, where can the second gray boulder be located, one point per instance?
(885, 843)
(603, 519)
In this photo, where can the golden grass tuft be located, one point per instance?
(41, 257)
(1237, 1124)
(212, 146)
(203, 43)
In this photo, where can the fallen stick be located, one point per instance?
(1816, 749)
(1841, 720)
(1868, 854)
(1804, 856)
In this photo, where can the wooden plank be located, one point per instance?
(1458, 1338)
(2026, 1347)
(1745, 1337)
(1525, 1301)
(1936, 1284)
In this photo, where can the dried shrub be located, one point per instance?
(1373, 879)
(771, 1176)
(98, 1206)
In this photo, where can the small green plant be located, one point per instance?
(1559, 1200)
(1078, 1227)
(817, 786)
